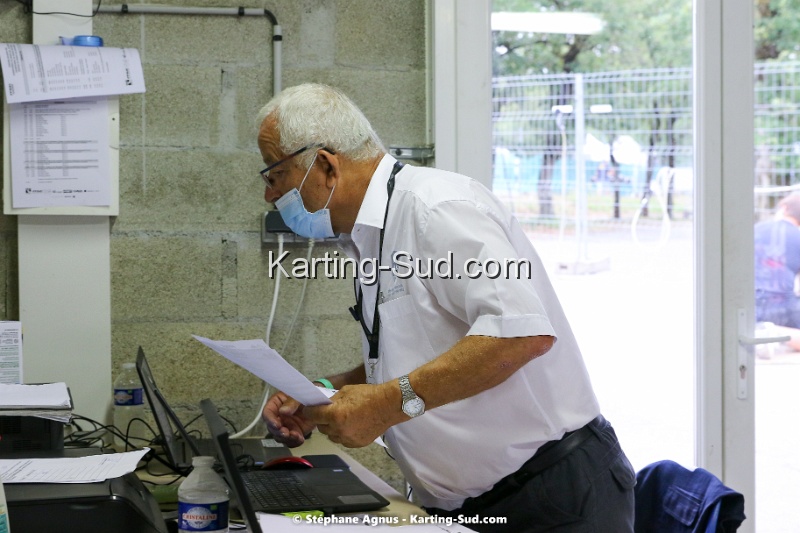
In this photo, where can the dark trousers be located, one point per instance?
(588, 491)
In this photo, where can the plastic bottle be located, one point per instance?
(128, 405)
(4, 526)
(203, 499)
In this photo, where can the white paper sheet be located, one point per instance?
(47, 395)
(34, 72)
(60, 153)
(261, 360)
(10, 352)
(89, 469)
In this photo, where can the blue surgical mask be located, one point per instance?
(316, 225)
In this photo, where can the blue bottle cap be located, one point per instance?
(87, 40)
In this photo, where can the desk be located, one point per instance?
(398, 506)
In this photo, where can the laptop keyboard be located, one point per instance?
(279, 490)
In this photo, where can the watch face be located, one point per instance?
(414, 407)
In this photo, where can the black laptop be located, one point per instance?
(180, 446)
(329, 486)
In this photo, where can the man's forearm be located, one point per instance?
(473, 365)
(356, 376)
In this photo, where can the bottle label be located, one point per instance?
(128, 397)
(202, 517)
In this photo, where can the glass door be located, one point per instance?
(592, 144)
(777, 263)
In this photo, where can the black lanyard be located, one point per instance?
(373, 334)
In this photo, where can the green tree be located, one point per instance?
(639, 34)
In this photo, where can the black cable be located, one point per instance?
(28, 9)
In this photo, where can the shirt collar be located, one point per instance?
(373, 208)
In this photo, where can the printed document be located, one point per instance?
(89, 469)
(10, 352)
(33, 72)
(60, 153)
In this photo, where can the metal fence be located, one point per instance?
(636, 164)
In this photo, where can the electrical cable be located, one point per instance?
(267, 388)
(29, 9)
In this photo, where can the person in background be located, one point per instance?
(474, 379)
(777, 264)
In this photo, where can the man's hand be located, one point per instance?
(286, 420)
(358, 415)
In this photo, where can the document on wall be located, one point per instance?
(89, 469)
(10, 352)
(33, 72)
(60, 153)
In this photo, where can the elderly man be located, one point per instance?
(471, 374)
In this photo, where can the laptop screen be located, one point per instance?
(164, 416)
(220, 436)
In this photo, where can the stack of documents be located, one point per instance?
(89, 469)
(50, 401)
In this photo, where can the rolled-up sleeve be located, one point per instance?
(491, 285)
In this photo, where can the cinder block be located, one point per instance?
(182, 105)
(165, 277)
(15, 25)
(397, 120)
(119, 31)
(253, 90)
(198, 191)
(131, 134)
(395, 40)
(185, 369)
(203, 40)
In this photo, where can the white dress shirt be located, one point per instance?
(462, 449)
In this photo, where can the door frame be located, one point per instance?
(723, 264)
(723, 201)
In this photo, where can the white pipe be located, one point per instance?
(134, 9)
(277, 31)
(277, 47)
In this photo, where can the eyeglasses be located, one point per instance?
(265, 173)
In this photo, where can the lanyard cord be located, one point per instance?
(373, 334)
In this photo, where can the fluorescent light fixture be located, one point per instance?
(552, 22)
(601, 108)
(564, 108)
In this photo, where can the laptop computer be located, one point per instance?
(329, 486)
(179, 445)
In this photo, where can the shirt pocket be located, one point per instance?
(404, 343)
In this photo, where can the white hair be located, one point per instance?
(313, 113)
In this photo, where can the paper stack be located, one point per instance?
(50, 400)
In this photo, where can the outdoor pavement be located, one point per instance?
(635, 325)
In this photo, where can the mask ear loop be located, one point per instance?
(304, 180)
(329, 197)
(307, 172)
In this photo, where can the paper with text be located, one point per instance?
(89, 469)
(60, 153)
(258, 358)
(33, 72)
(10, 352)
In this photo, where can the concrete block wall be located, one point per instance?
(186, 254)
(15, 27)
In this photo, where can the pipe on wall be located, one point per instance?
(277, 33)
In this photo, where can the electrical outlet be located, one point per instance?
(272, 224)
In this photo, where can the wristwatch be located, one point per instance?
(413, 405)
